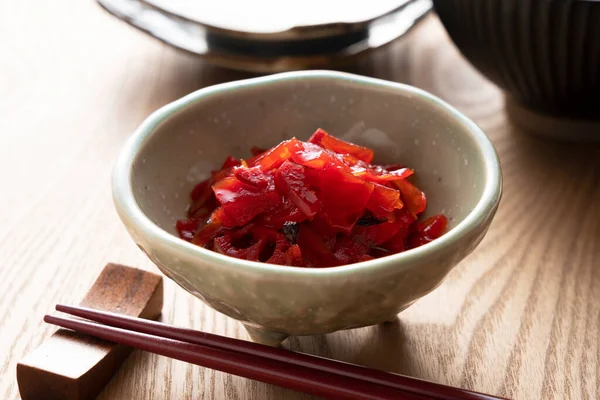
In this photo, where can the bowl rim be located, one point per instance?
(132, 215)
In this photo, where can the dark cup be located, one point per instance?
(545, 54)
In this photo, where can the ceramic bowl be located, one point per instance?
(247, 52)
(281, 21)
(544, 54)
(179, 144)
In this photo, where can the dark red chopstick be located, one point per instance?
(330, 386)
(419, 388)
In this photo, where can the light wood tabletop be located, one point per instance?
(518, 318)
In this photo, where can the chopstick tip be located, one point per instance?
(60, 307)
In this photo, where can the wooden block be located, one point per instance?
(74, 366)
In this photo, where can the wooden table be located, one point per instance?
(518, 318)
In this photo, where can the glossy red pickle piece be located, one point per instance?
(322, 226)
(377, 234)
(343, 196)
(290, 180)
(224, 245)
(319, 203)
(313, 178)
(414, 200)
(210, 230)
(285, 212)
(253, 176)
(241, 203)
(428, 230)
(398, 243)
(230, 162)
(203, 200)
(329, 142)
(277, 155)
(348, 251)
(381, 233)
(316, 157)
(314, 248)
(377, 174)
(293, 256)
(188, 228)
(200, 189)
(383, 201)
(254, 243)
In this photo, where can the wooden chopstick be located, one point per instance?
(425, 388)
(290, 376)
(371, 377)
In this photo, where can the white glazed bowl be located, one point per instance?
(177, 146)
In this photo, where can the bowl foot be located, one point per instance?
(550, 127)
(263, 336)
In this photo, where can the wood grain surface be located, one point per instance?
(518, 318)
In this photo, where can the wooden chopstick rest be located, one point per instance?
(74, 366)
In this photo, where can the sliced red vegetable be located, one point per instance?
(293, 256)
(253, 176)
(213, 227)
(188, 228)
(383, 201)
(377, 174)
(393, 167)
(406, 223)
(290, 180)
(378, 234)
(414, 200)
(224, 245)
(347, 251)
(319, 203)
(277, 155)
(314, 248)
(241, 203)
(428, 230)
(316, 157)
(329, 142)
(274, 248)
(230, 162)
(344, 197)
(203, 201)
(200, 189)
(254, 243)
(285, 212)
(203, 198)
(313, 178)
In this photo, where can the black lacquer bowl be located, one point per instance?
(545, 54)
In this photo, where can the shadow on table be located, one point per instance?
(381, 347)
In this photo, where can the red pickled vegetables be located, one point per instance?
(344, 197)
(428, 230)
(319, 203)
(290, 180)
(323, 139)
